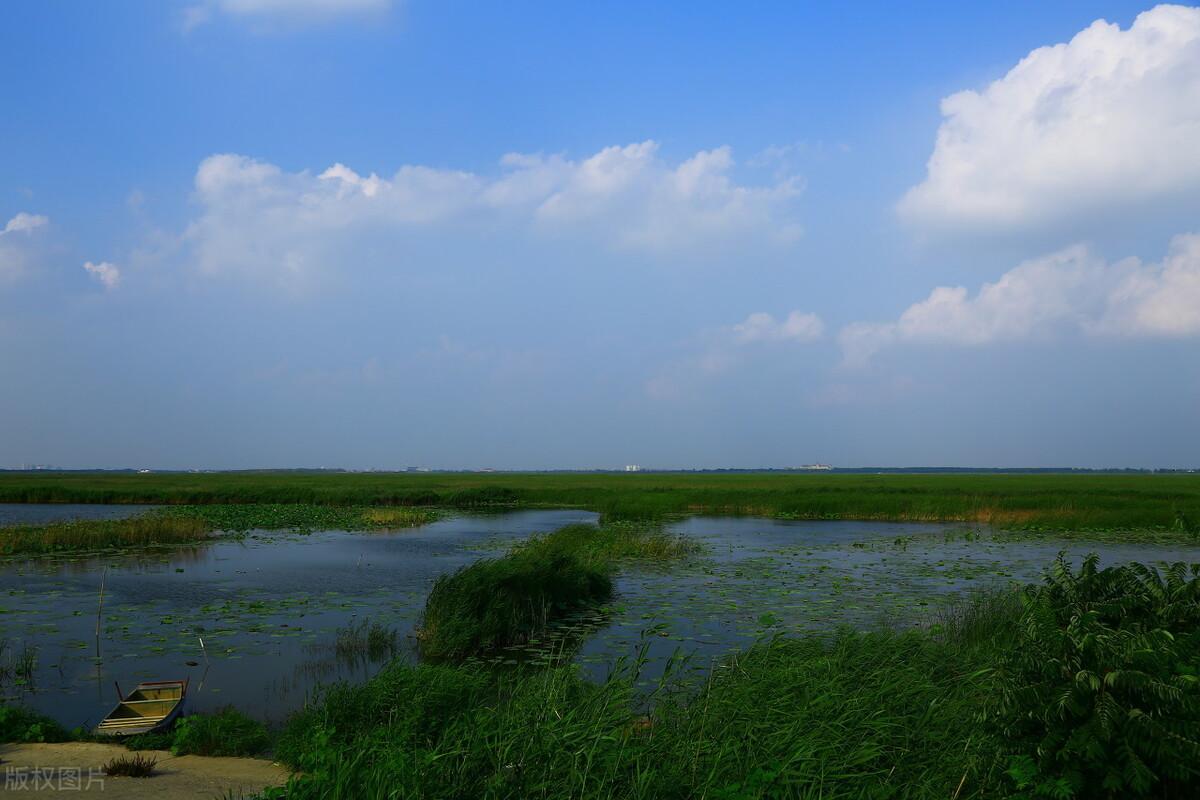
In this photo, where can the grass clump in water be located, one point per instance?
(225, 733)
(497, 603)
(363, 639)
(17, 666)
(83, 535)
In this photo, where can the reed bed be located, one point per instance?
(194, 523)
(87, 535)
(1094, 502)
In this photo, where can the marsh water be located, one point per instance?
(43, 513)
(268, 607)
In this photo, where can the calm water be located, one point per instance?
(42, 513)
(268, 607)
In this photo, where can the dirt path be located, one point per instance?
(48, 768)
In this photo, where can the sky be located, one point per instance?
(391, 233)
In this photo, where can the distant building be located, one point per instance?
(632, 468)
(815, 467)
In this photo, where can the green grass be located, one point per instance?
(1050, 501)
(225, 733)
(879, 715)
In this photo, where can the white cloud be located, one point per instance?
(258, 218)
(24, 223)
(1071, 290)
(15, 248)
(282, 12)
(1106, 121)
(762, 327)
(108, 274)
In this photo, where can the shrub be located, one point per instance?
(1101, 695)
(226, 733)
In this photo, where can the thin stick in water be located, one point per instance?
(100, 610)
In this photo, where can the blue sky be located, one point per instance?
(379, 233)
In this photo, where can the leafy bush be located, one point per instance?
(1101, 691)
(226, 733)
(20, 725)
(495, 603)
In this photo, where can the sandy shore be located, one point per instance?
(74, 768)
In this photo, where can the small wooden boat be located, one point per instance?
(150, 707)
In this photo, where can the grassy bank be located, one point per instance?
(501, 602)
(1083, 686)
(194, 523)
(1052, 501)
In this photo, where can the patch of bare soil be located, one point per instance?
(75, 768)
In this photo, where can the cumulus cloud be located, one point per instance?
(1105, 121)
(108, 274)
(762, 327)
(281, 12)
(258, 217)
(1071, 290)
(15, 245)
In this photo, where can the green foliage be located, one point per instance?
(135, 766)
(20, 725)
(495, 603)
(1100, 693)
(225, 733)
